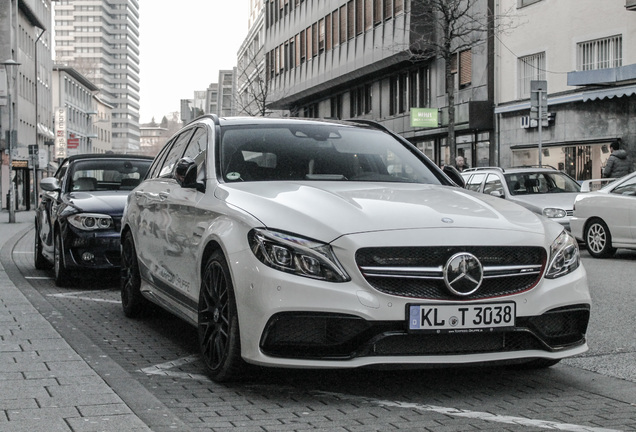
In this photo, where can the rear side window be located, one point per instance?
(475, 181)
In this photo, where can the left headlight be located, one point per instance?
(297, 255)
(91, 221)
(564, 256)
(554, 212)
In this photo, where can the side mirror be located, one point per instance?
(186, 174)
(454, 175)
(50, 184)
(497, 193)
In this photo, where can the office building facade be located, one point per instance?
(100, 39)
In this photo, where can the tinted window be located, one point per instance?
(474, 182)
(175, 153)
(107, 174)
(318, 152)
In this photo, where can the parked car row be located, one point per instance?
(601, 214)
(332, 244)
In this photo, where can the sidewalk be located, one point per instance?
(45, 385)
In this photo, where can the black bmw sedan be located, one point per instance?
(77, 222)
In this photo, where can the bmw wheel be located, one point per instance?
(133, 303)
(38, 259)
(62, 277)
(598, 239)
(218, 326)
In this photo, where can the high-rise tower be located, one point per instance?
(100, 39)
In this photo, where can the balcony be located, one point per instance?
(611, 76)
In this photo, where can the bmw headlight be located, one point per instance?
(91, 221)
(564, 256)
(554, 212)
(297, 255)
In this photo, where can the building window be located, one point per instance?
(388, 9)
(418, 88)
(327, 31)
(336, 107)
(377, 12)
(397, 94)
(530, 68)
(359, 16)
(465, 68)
(524, 3)
(343, 24)
(335, 30)
(360, 101)
(368, 14)
(600, 53)
(350, 20)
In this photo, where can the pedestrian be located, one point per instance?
(618, 164)
(460, 164)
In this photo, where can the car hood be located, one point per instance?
(106, 202)
(327, 210)
(538, 202)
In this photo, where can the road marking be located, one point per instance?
(78, 295)
(518, 421)
(164, 369)
(39, 277)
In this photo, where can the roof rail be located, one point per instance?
(214, 118)
(535, 166)
(484, 168)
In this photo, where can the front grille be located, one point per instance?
(417, 272)
(327, 336)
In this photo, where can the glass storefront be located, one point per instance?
(582, 162)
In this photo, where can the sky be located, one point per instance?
(183, 45)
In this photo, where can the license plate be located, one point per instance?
(462, 318)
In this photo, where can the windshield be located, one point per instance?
(107, 174)
(540, 183)
(318, 152)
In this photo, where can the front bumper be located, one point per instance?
(323, 336)
(98, 250)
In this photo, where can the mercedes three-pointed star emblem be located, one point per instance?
(463, 274)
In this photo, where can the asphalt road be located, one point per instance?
(592, 393)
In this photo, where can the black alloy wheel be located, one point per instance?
(38, 259)
(133, 302)
(62, 276)
(218, 326)
(598, 239)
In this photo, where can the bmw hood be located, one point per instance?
(106, 202)
(328, 210)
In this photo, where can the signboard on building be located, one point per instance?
(72, 142)
(60, 133)
(424, 117)
(3, 87)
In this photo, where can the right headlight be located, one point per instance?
(297, 255)
(564, 256)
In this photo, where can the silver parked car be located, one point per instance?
(606, 219)
(543, 190)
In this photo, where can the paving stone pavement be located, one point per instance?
(45, 385)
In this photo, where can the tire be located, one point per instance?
(38, 259)
(62, 276)
(133, 302)
(598, 239)
(218, 325)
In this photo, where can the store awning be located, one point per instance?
(609, 93)
(45, 131)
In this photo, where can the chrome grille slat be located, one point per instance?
(418, 271)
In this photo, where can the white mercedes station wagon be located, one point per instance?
(324, 244)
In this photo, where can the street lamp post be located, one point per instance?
(10, 142)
